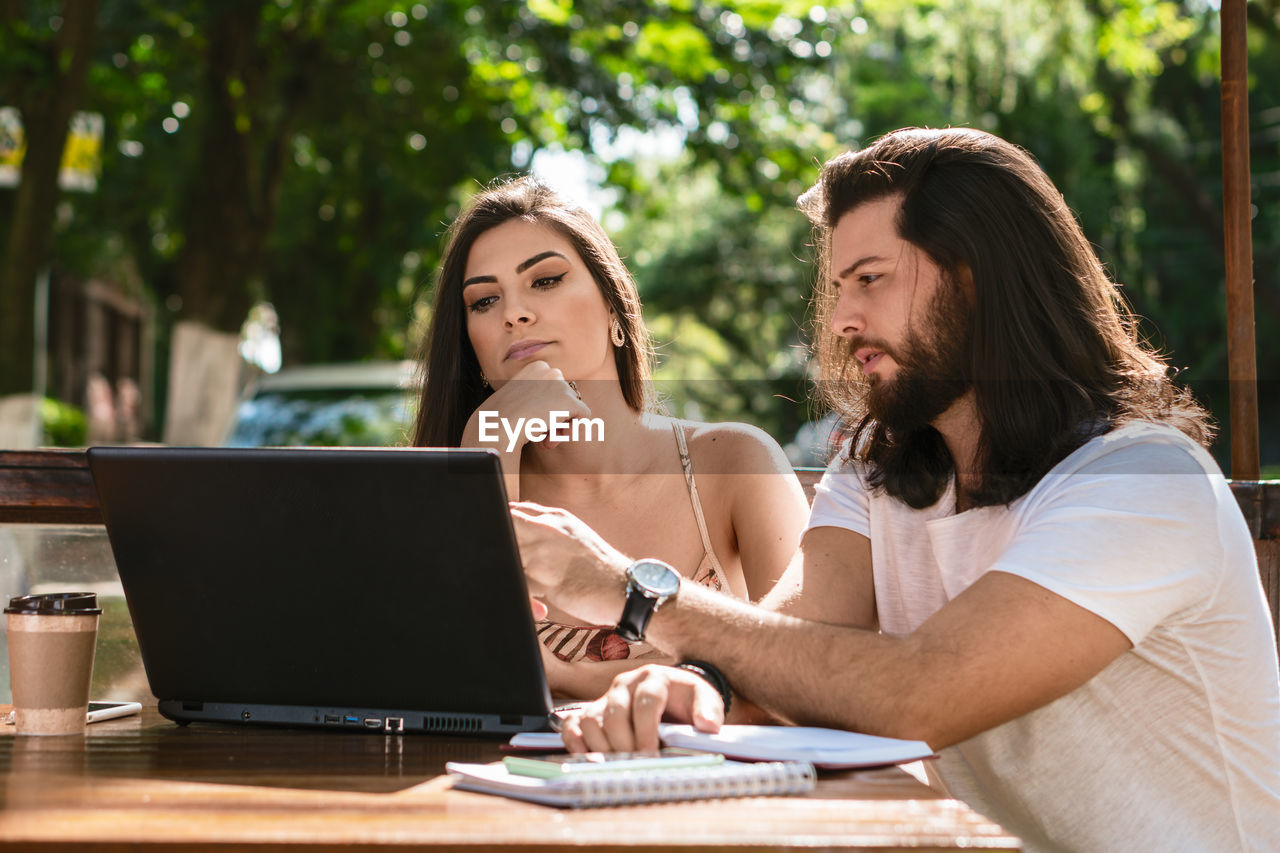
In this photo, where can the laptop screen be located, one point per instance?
(321, 581)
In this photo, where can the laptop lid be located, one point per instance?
(367, 588)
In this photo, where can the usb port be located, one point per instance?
(394, 724)
(372, 723)
(332, 718)
(351, 719)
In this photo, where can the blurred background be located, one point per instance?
(194, 196)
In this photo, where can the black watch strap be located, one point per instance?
(636, 614)
(649, 583)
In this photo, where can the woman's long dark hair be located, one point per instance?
(1055, 352)
(452, 386)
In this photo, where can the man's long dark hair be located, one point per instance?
(452, 384)
(1055, 354)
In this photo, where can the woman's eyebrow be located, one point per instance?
(521, 267)
(541, 256)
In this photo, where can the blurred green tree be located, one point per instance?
(311, 152)
(1118, 99)
(44, 56)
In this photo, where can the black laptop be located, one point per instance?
(369, 589)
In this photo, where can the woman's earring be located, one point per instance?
(615, 333)
(484, 380)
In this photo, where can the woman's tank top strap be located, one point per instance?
(709, 565)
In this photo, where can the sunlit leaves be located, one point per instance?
(678, 45)
(1134, 34)
(552, 11)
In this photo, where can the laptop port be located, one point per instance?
(372, 723)
(350, 718)
(394, 724)
(332, 718)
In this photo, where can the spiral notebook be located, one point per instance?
(626, 787)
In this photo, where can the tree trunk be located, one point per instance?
(244, 125)
(222, 225)
(46, 113)
(244, 149)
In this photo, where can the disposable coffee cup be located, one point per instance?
(51, 643)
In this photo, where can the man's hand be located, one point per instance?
(626, 717)
(568, 565)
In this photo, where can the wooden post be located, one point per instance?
(1242, 367)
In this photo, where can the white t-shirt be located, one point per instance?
(1176, 744)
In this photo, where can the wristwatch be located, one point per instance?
(649, 583)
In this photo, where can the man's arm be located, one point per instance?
(1001, 649)
(828, 580)
(1004, 647)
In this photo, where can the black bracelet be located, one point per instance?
(712, 676)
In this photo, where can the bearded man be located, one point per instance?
(1024, 556)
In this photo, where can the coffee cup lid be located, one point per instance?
(55, 604)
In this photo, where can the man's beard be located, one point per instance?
(932, 366)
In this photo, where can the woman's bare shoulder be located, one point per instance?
(727, 447)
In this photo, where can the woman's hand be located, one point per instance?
(535, 392)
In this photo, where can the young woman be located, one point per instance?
(535, 314)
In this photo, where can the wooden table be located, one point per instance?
(143, 783)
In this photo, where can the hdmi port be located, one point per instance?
(372, 723)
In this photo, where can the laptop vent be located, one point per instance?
(453, 724)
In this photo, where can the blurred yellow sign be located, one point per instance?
(12, 147)
(81, 157)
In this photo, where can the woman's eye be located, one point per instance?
(867, 280)
(548, 281)
(482, 304)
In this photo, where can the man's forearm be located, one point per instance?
(803, 672)
(815, 670)
(1001, 649)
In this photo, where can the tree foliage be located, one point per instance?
(311, 152)
(1118, 99)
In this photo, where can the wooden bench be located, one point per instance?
(47, 487)
(55, 487)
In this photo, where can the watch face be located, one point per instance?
(655, 577)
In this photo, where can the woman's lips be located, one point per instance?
(524, 349)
